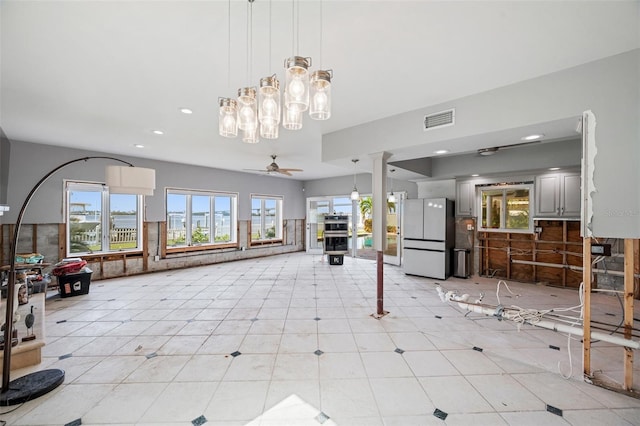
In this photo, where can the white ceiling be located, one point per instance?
(103, 75)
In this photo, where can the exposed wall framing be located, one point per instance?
(529, 257)
(631, 266)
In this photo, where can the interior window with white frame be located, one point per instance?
(266, 218)
(506, 207)
(101, 222)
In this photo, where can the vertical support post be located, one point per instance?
(628, 311)
(586, 322)
(379, 219)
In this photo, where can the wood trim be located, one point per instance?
(162, 238)
(145, 246)
(62, 241)
(207, 248)
(586, 326)
(34, 238)
(565, 236)
(628, 311)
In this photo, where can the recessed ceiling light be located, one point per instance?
(158, 132)
(186, 111)
(441, 151)
(554, 168)
(533, 137)
(138, 145)
(475, 175)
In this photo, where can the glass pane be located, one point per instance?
(123, 221)
(270, 219)
(517, 214)
(176, 220)
(256, 219)
(491, 208)
(85, 216)
(200, 219)
(224, 224)
(317, 210)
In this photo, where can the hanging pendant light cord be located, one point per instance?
(229, 43)
(269, 58)
(249, 40)
(320, 34)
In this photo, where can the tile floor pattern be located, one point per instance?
(290, 340)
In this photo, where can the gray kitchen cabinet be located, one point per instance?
(558, 196)
(465, 198)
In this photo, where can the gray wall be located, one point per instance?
(4, 167)
(29, 162)
(609, 87)
(343, 185)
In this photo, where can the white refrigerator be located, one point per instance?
(429, 227)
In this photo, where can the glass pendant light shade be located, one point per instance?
(228, 118)
(269, 131)
(392, 198)
(355, 195)
(250, 135)
(296, 92)
(291, 118)
(320, 92)
(247, 109)
(269, 102)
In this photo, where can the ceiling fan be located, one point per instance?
(485, 152)
(274, 168)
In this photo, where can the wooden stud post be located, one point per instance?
(628, 311)
(564, 252)
(586, 326)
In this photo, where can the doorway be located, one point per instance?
(317, 208)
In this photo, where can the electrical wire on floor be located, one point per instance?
(508, 289)
(569, 338)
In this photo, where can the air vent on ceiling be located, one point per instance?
(439, 119)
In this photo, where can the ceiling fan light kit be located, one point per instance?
(261, 116)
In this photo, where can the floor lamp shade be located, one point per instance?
(130, 180)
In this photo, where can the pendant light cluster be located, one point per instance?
(259, 113)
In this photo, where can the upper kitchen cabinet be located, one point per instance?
(465, 198)
(558, 196)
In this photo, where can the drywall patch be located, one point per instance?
(589, 152)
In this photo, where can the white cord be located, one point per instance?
(498, 290)
(580, 320)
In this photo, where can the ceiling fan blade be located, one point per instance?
(291, 170)
(256, 170)
(518, 144)
(284, 172)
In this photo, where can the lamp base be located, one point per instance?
(31, 386)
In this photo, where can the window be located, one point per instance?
(506, 208)
(266, 218)
(100, 222)
(200, 218)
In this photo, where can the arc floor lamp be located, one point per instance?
(121, 180)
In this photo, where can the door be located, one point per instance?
(393, 250)
(316, 209)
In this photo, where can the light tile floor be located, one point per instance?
(290, 340)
